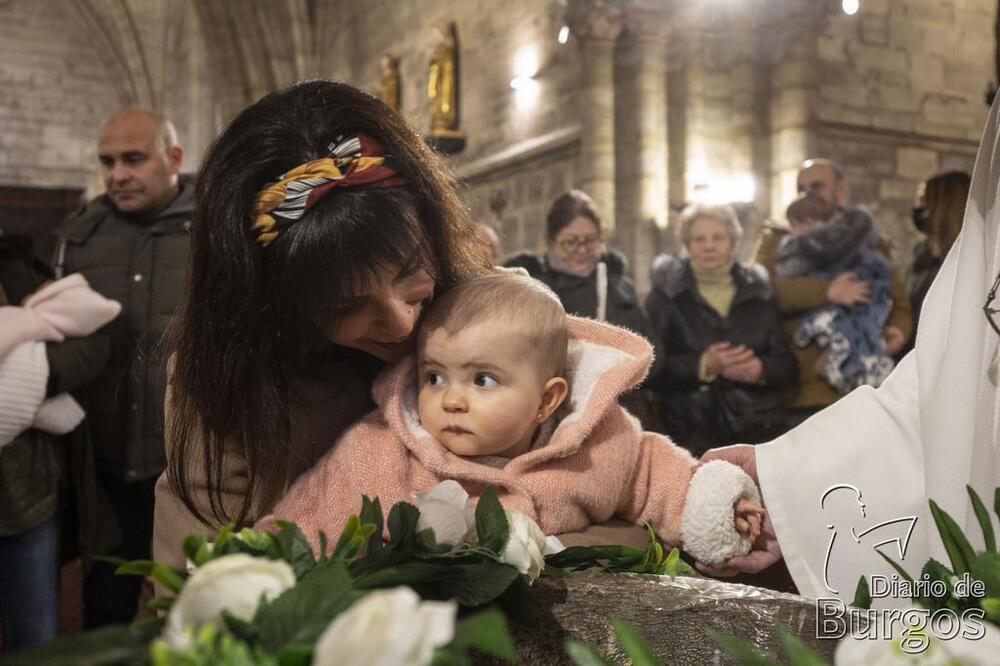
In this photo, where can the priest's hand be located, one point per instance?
(765, 550)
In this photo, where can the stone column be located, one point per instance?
(595, 27)
(647, 190)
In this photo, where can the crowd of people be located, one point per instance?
(261, 302)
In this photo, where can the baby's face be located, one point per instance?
(801, 226)
(479, 390)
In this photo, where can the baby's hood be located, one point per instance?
(603, 362)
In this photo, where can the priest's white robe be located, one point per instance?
(929, 430)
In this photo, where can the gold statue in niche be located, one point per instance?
(442, 82)
(389, 85)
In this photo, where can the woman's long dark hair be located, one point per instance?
(946, 195)
(249, 315)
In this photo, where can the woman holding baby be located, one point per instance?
(297, 299)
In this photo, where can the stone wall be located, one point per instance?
(903, 98)
(62, 72)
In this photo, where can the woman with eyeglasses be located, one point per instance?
(590, 279)
(726, 358)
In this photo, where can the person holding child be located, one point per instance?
(506, 391)
(726, 360)
(323, 227)
(799, 294)
(825, 242)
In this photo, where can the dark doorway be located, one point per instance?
(36, 212)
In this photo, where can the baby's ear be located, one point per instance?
(555, 391)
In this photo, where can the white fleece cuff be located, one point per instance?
(58, 415)
(24, 374)
(707, 527)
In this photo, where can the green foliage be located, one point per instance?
(582, 654)
(796, 652)
(485, 632)
(108, 645)
(491, 522)
(959, 549)
(633, 643)
(862, 596)
(983, 516)
(211, 647)
(620, 559)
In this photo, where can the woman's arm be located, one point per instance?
(780, 367)
(680, 369)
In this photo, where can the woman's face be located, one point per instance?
(710, 245)
(578, 245)
(381, 320)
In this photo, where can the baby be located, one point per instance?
(508, 391)
(825, 242)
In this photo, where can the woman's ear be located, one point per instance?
(553, 394)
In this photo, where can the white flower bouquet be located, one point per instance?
(428, 594)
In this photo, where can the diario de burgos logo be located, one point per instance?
(912, 626)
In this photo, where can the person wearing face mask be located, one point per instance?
(938, 212)
(324, 225)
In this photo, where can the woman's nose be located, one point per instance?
(397, 318)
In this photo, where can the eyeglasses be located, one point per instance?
(989, 311)
(576, 242)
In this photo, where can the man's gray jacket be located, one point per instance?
(141, 262)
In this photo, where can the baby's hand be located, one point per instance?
(747, 518)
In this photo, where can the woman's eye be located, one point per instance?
(486, 381)
(434, 379)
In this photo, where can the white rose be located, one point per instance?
(233, 583)
(445, 510)
(527, 545)
(387, 628)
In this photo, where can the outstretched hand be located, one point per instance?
(765, 550)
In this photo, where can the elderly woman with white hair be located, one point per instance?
(726, 358)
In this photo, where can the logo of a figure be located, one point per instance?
(896, 530)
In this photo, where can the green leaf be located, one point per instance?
(895, 565)
(240, 628)
(798, 652)
(108, 645)
(935, 571)
(300, 614)
(168, 577)
(983, 516)
(346, 536)
(371, 513)
(160, 603)
(991, 605)
(405, 573)
(635, 646)
(576, 558)
(518, 603)
(986, 568)
(739, 650)
(473, 585)
(996, 501)
(486, 631)
(959, 549)
(402, 521)
(192, 544)
(862, 595)
(582, 654)
(491, 522)
(293, 547)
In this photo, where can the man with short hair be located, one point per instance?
(797, 295)
(131, 243)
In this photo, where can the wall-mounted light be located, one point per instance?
(524, 84)
(850, 7)
(563, 36)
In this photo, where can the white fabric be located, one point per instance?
(66, 307)
(707, 526)
(24, 374)
(929, 430)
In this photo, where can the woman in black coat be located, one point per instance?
(726, 359)
(590, 280)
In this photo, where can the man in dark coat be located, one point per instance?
(131, 244)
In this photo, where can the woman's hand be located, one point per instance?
(894, 340)
(847, 290)
(749, 371)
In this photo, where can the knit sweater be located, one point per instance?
(597, 463)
